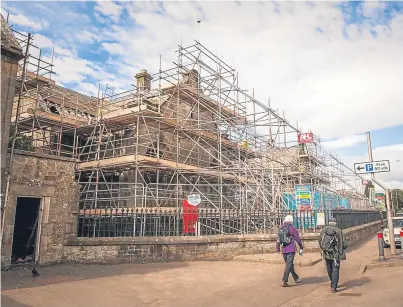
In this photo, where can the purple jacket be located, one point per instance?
(290, 248)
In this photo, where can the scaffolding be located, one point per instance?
(189, 129)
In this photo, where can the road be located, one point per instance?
(197, 284)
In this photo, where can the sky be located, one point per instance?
(335, 67)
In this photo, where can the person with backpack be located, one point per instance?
(333, 246)
(286, 238)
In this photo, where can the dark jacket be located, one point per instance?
(341, 244)
(290, 248)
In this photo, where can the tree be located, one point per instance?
(396, 196)
(368, 186)
(22, 141)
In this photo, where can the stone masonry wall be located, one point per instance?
(9, 66)
(143, 250)
(52, 180)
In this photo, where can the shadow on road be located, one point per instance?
(355, 283)
(22, 278)
(313, 280)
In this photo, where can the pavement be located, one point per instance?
(308, 259)
(194, 284)
(389, 262)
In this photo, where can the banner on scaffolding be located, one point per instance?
(190, 216)
(303, 197)
(304, 138)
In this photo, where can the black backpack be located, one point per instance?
(284, 236)
(328, 242)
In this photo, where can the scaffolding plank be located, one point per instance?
(55, 118)
(125, 160)
(128, 115)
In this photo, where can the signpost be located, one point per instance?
(190, 214)
(303, 201)
(303, 197)
(372, 167)
(194, 199)
(320, 219)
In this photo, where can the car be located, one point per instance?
(397, 227)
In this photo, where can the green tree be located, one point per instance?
(368, 186)
(396, 196)
(22, 141)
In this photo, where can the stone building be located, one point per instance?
(108, 166)
(11, 53)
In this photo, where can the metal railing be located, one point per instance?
(351, 218)
(160, 222)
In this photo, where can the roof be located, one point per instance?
(8, 41)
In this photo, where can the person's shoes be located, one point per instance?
(284, 284)
(333, 290)
(297, 281)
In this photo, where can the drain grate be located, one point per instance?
(350, 294)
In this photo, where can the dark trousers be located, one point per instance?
(289, 267)
(333, 272)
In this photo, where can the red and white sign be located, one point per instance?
(304, 208)
(304, 138)
(190, 216)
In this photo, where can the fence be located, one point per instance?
(351, 218)
(140, 222)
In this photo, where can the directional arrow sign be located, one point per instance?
(372, 167)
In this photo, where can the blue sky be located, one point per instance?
(336, 68)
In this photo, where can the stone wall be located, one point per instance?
(162, 249)
(52, 180)
(9, 66)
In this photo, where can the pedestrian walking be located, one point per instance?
(333, 246)
(287, 237)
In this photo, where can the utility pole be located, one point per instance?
(370, 151)
(387, 194)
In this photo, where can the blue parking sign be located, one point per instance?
(369, 167)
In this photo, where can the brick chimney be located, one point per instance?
(143, 81)
(191, 78)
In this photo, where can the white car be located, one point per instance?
(397, 226)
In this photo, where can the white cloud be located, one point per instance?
(338, 87)
(44, 42)
(72, 70)
(24, 21)
(110, 9)
(87, 37)
(99, 18)
(346, 142)
(393, 153)
(87, 88)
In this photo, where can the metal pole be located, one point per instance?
(390, 224)
(380, 247)
(401, 241)
(388, 207)
(370, 151)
